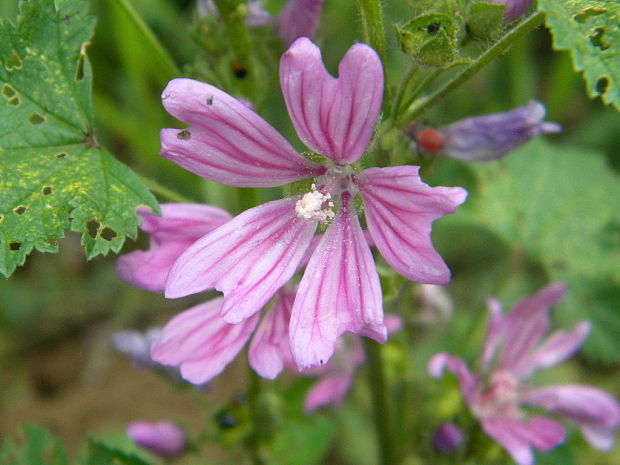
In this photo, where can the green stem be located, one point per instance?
(164, 191)
(378, 390)
(169, 67)
(411, 71)
(373, 30)
(254, 388)
(423, 104)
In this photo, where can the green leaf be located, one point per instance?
(53, 174)
(39, 448)
(590, 30)
(302, 441)
(558, 206)
(100, 454)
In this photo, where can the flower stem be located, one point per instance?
(373, 29)
(254, 439)
(422, 105)
(163, 191)
(372, 25)
(161, 55)
(376, 378)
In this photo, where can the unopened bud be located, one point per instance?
(162, 438)
(490, 137)
(447, 438)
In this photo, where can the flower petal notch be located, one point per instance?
(248, 259)
(226, 141)
(400, 209)
(335, 117)
(340, 291)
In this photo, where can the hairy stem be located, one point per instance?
(378, 390)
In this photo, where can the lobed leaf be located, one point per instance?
(53, 173)
(590, 31)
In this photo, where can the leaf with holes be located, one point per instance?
(558, 207)
(53, 174)
(590, 30)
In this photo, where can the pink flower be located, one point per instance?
(203, 344)
(336, 377)
(171, 234)
(513, 350)
(250, 257)
(162, 438)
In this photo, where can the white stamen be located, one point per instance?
(310, 207)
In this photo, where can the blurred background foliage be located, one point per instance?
(547, 212)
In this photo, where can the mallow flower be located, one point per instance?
(487, 137)
(250, 257)
(170, 235)
(513, 350)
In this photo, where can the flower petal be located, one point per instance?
(248, 259)
(201, 342)
(467, 381)
(494, 332)
(171, 234)
(298, 18)
(517, 437)
(526, 324)
(340, 291)
(335, 117)
(226, 141)
(400, 209)
(594, 410)
(329, 390)
(182, 221)
(557, 348)
(270, 349)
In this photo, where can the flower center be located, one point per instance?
(315, 206)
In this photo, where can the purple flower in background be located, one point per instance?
(514, 8)
(162, 438)
(513, 349)
(137, 345)
(170, 234)
(490, 137)
(256, 16)
(299, 18)
(447, 438)
(250, 257)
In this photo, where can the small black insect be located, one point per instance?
(433, 28)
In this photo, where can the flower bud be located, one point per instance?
(162, 438)
(447, 438)
(490, 137)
